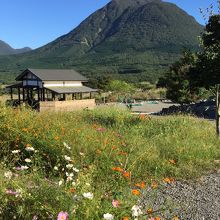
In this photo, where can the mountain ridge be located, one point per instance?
(6, 49)
(129, 39)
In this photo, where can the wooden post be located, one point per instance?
(38, 94)
(43, 94)
(11, 93)
(19, 96)
(81, 96)
(217, 111)
(23, 93)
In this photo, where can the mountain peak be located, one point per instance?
(134, 2)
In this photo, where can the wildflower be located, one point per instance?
(27, 160)
(68, 166)
(149, 211)
(136, 211)
(29, 149)
(24, 167)
(123, 153)
(115, 203)
(81, 154)
(72, 190)
(100, 129)
(136, 192)
(25, 129)
(119, 169)
(75, 169)
(88, 195)
(157, 218)
(56, 138)
(11, 192)
(67, 158)
(8, 175)
(73, 183)
(141, 185)
(16, 151)
(55, 168)
(175, 218)
(63, 216)
(125, 218)
(114, 147)
(154, 185)
(108, 216)
(66, 146)
(172, 162)
(60, 183)
(168, 180)
(127, 174)
(35, 218)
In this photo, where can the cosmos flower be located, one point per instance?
(63, 216)
(88, 195)
(108, 216)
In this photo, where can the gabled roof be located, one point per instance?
(70, 90)
(54, 75)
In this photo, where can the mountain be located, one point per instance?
(6, 49)
(128, 39)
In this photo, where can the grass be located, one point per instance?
(107, 153)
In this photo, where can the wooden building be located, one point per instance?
(47, 89)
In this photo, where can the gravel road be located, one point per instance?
(198, 200)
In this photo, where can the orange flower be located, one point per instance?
(157, 218)
(114, 147)
(168, 180)
(127, 174)
(136, 192)
(149, 211)
(56, 138)
(24, 129)
(175, 218)
(172, 162)
(141, 185)
(119, 169)
(154, 184)
(122, 153)
(72, 190)
(125, 218)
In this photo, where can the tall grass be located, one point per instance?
(106, 152)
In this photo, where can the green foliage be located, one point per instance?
(121, 87)
(75, 153)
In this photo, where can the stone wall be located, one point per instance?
(70, 105)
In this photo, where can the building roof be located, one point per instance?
(71, 90)
(54, 75)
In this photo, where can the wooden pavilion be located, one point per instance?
(47, 89)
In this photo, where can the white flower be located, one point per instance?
(88, 195)
(69, 166)
(55, 168)
(60, 183)
(108, 216)
(136, 211)
(8, 174)
(81, 154)
(24, 167)
(73, 183)
(66, 145)
(16, 151)
(69, 174)
(88, 184)
(29, 149)
(27, 160)
(75, 169)
(67, 158)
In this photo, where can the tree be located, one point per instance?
(177, 79)
(208, 65)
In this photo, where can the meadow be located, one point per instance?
(96, 164)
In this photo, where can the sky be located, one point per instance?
(35, 23)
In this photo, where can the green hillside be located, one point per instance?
(130, 39)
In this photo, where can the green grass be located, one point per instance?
(98, 141)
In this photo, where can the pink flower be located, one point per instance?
(151, 218)
(100, 129)
(11, 192)
(115, 203)
(63, 216)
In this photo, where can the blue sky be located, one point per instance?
(34, 23)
